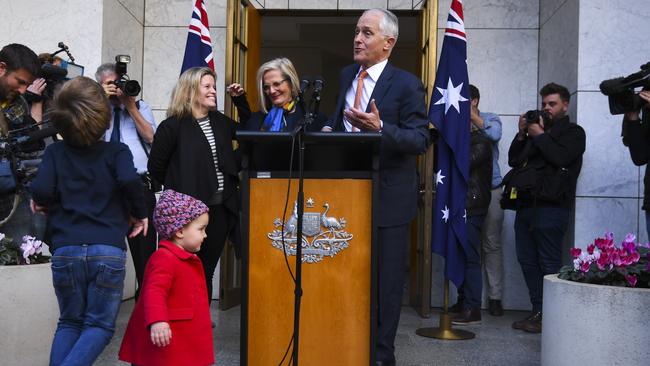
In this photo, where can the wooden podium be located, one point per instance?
(338, 317)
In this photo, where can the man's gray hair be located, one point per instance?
(107, 68)
(388, 24)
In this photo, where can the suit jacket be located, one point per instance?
(254, 121)
(399, 96)
(174, 291)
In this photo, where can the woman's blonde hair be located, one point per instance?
(81, 112)
(289, 73)
(185, 93)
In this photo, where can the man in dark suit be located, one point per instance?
(377, 97)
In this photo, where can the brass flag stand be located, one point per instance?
(444, 330)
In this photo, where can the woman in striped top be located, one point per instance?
(192, 154)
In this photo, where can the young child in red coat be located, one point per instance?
(170, 324)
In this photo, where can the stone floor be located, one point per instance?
(496, 343)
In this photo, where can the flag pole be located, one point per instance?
(444, 331)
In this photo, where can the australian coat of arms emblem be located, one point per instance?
(322, 235)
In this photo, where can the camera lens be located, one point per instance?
(532, 116)
(131, 88)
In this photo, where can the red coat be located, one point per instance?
(173, 291)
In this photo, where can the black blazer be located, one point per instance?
(254, 121)
(181, 158)
(560, 147)
(399, 96)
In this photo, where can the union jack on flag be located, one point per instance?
(198, 49)
(449, 111)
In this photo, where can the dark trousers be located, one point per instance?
(538, 235)
(391, 263)
(473, 284)
(214, 242)
(141, 246)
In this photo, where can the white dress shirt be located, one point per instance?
(368, 86)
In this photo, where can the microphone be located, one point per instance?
(305, 83)
(62, 45)
(319, 84)
(37, 135)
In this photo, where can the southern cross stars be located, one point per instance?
(439, 177)
(445, 214)
(451, 96)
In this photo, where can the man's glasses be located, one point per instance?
(275, 85)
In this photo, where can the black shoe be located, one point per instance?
(467, 317)
(495, 308)
(456, 308)
(533, 317)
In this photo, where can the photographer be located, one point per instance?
(132, 123)
(636, 136)
(546, 156)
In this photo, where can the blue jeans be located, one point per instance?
(473, 284)
(88, 281)
(538, 236)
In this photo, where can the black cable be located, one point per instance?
(286, 352)
(284, 213)
(284, 248)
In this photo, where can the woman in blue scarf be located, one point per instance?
(278, 88)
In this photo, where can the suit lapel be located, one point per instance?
(382, 86)
(346, 80)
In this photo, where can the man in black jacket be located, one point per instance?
(479, 192)
(550, 151)
(636, 136)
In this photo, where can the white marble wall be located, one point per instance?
(42, 24)
(612, 38)
(123, 34)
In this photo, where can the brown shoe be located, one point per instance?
(521, 324)
(534, 326)
(467, 317)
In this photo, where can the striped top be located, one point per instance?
(204, 123)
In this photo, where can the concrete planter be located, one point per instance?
(586, 324)
(28, 314)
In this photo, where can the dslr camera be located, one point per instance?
(123, 82)
(532, 117)
(621, 91)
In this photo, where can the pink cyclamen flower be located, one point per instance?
(575, 252)
(629, 238)
(590, 248)
(631, 279)
(629, 246)
(584, 266)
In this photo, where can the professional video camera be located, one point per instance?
(55, 71)
(129, 87)
(621, 91)
(532, 117)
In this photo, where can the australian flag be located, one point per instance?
(198, 49)
(449, 111)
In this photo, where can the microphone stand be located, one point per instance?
(300, 132)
